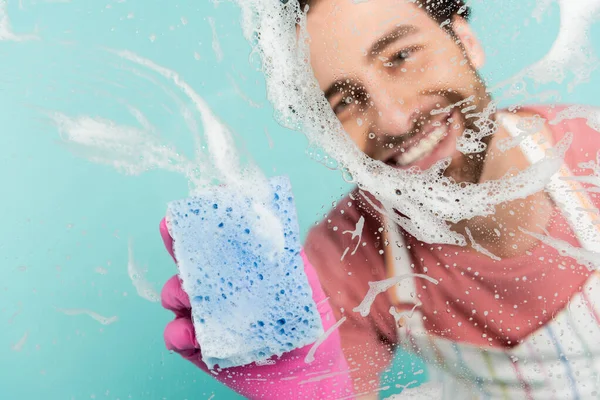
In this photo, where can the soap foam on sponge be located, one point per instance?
(250, 297)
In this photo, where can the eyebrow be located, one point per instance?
(392, 36)
(397, 33)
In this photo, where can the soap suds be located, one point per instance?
(326, 376)
(134, 150)
(95, 316)
(377, 287)
(216, 46)
(269, 138)
(222, 149)
(18, 346)
(356, 233)
(527, 126)
(587, 258)
(398, 315)
(593, 179)
(310, 357)
(101, 271)
(589, 113)
(480, 248)
(471, 141)
(241, 94)
(425, 201)
(131, 150)
(6, 32)
(322, 301)
(427, 391)
(144, 288)
(326, 371)
(572, 52)
(16, 313)
(265, 362)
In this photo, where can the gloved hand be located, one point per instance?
(327, 377)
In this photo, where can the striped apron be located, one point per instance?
(561, 360)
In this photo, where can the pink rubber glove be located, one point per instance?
(327, 377)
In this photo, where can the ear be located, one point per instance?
(469, 41)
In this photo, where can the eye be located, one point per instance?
(341, 106)
(400, 57)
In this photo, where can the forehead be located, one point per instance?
(342, 32)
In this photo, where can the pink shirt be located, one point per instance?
(478, 300)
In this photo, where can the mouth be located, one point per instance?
(424, 148)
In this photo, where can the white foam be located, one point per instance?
(480, 248)
(94, 315)
(240, 93)
(135, 149)
(130, 149)
(433, 391)
(572, 51)
(310, 357)
(16, 313)
(356, 234)
(587, 258)
(377, 287)
(215, 40)
(300, 104)
(6, 32)
(327, 376)
(590, 113)
(18, 346)
(219, 139)
(527, 126)
(471, 141)
(594, 178)
(398, 315)
(448, 109)
(101, 271)
(137, 276)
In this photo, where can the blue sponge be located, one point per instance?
(250, 297)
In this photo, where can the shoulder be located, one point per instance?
(346, 250)
(582, 121)
(350, 229)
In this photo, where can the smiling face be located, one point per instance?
(388, 70)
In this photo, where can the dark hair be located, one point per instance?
(439, 10)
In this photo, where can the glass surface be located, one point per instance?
(113, 109)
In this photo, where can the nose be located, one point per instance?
(394, 116)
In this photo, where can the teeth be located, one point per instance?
(423, 148)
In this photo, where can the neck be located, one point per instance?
(499, 233)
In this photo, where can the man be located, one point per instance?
(495, 316)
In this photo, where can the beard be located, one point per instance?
(465, 166)
(468, 167)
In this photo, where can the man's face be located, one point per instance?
(388, 71)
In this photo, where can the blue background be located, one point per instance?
(63, 216)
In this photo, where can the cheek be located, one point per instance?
(358, 123)
(359, 137)
(446, 71)
(444, 65)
